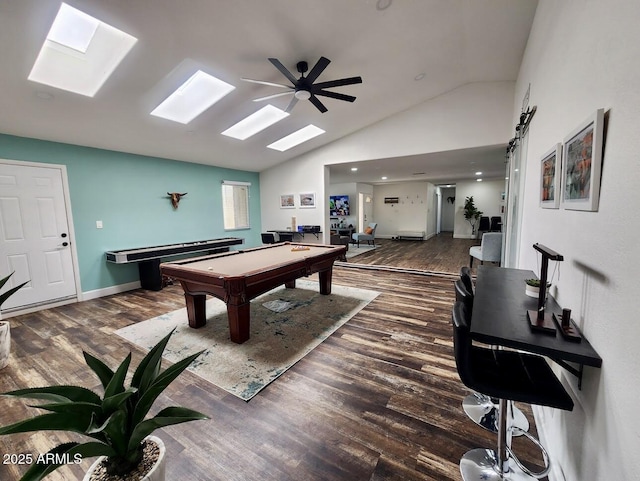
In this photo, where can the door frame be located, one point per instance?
(72, 239)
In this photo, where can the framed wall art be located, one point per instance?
(307, 200)
(582, 164)
(287, 201)
(550, 169)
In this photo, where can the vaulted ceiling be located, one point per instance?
(407, 53)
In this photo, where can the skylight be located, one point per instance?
(296, 138)
(256, 122)
(80, 52)
(192, 98)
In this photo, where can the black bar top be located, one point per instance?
(499, 317)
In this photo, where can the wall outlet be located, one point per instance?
(98, 224)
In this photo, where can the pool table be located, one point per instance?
(236, 277)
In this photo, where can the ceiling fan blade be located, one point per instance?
(338, 83)
(335, 95)
(262, 82)
(317, 69)
(294, 101)
(272, 96)
(319, 105)
(277, 64)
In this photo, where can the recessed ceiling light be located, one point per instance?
(354, 169)
(256, 122)
(80, 52)
(478, 180)
(296, 138)
(478, 173)
(384, 178)
(192, 98)
(383, 4)
(420, 76)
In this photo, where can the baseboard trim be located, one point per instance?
(109, 291)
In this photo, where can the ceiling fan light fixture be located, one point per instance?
(302, 94)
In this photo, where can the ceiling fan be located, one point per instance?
(304, 88)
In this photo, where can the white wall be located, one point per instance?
(486, 197)
(410, 213)
(581, 56)
(472, 115)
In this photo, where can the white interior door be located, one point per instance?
(34, 235)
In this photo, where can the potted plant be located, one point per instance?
(532, 287)
(471, 213)
(115, 422)
(5, 327)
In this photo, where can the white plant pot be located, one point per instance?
(532, 291)
(5, 343)
(157, 473)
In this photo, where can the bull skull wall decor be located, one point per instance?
(175, 198)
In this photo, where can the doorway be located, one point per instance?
(36, 235)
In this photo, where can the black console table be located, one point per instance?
(148, 258)
(499, 317)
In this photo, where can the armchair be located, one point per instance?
(369, 235)
(490, 248)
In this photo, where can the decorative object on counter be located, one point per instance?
(567, 327)
(175, 198)
(115, 422)
(532, 287)
(582, 163)
(471, 213)
(5, 327)
(550, 166)
(540, 320)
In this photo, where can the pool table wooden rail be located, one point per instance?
(237, 284)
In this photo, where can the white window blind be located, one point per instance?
(235, 205)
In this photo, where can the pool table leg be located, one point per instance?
(239, 321)
(325, 281)
(196, 310)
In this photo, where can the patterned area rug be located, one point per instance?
(277, 342)
(356, 251)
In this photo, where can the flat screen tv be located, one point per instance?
(339, 205)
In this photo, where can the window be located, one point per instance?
(235, 204)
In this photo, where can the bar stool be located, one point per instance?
(479, 407)
(508, 376)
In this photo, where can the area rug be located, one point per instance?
(356, 251)
(277, 342)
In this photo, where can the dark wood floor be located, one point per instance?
(441, 253)
(378, 400)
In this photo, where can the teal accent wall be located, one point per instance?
(128, 193)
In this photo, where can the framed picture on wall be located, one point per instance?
(307, 200)
(550, 178)
(582, 163)
(287, 201)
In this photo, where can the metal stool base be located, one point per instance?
(483, 412)
(482, 465)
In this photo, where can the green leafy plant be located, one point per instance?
(535, 282)
(116, 421)
(471, 213)
(6, 295)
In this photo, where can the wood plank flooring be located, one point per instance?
(441, 253)
(379, 400)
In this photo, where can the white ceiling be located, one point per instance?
(453, 42)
